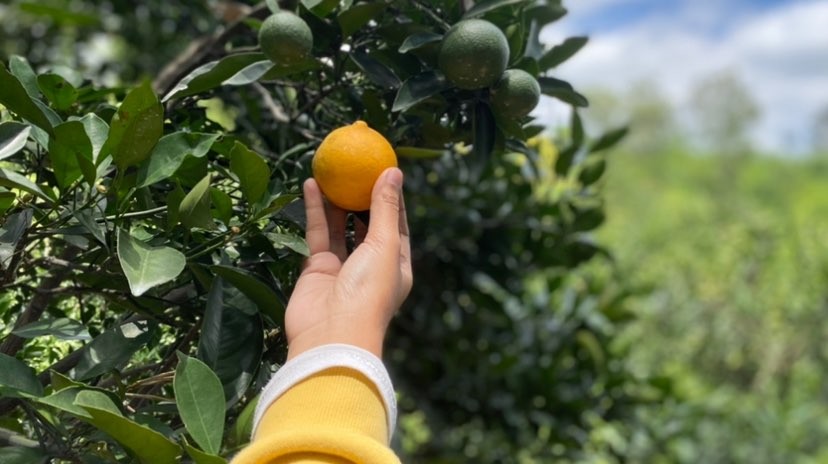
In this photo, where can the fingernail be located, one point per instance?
(395, 177)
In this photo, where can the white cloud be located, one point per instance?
(781, 55)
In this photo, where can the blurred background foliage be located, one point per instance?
(690, 328)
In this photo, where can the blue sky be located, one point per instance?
(777, 48)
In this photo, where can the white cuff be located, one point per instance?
(327, 357)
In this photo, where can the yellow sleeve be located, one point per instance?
(333, 417)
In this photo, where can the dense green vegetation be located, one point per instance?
(730, 262)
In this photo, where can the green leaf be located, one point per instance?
(146, 266)
(294, 242)
(419, 153)
(250, 73)
(417, 40)
(577, 127)
(13, 136)
(320, 8)
(97, 130)
(18, 379)
(275, 205)
(486, 6)
(562, 90)
(6, 200)
(70, 152)
(200, 457)
(251, 170)
(135, 128)
(565, 158)
(86, 218)
(222, 205)
(609, 139)
(200, 401)
(231, 339)
(376, 72)
(194, 210)
(170, 152)
(419, 88)
(213, 74)
(62, 328)
(14, 97)
(484, 135)
(22, 455)
(22, 70)
(64, 400)
(259, 292)
(560, 53)
(273, 6)
(112, 349)
(592, 172)
(352, 19)
(13, 179)
(149, 446)
(11, 231)
(58, 90)
(243, 428)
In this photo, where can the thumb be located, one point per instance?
(384, 227)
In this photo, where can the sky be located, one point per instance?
(777, 48)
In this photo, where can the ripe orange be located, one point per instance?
(348, 162)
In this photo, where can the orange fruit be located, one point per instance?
(348, 162)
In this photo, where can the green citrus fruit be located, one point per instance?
(285, 38)
(474, 54)
(515, 94)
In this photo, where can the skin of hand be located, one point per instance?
(351, 299)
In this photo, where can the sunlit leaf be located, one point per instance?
(147, 266)
(13, 136)
(169, 153)
(194, 210)
(14, 97)
(62, 328)
(135, 128)
(200, 401)
(251, 170)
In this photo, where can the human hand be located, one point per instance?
(351, 299)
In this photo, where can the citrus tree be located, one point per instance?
(152, 229)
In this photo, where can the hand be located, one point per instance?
(351, 299)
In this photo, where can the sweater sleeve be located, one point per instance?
(335, 416)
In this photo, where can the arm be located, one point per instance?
(333, 402)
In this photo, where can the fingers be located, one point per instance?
(360, 230)
(316, 231)
(405, 246)
(384, 228)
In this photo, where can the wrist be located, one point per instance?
(310, 339)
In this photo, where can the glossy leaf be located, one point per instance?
(259, 292)
(294, 242)
(11, 231)
(419, 153)
(98, 131)
(17, 379)
(560, 53)
(149, 446)
(57, 90)
(135, 128)
(231, 340)
(252, 171)
(243, 428)
(213, 74)
(276, 204)
(419, 39)
(418, 89)
(22, 455)
(352, 19)
(320, 8)
(11, 179)
(562, 90)
(200, 401)
(250, 73)
(200, 457)
(62, 328)
(377, 72)
(70, 152)
(14, 97)
(13, 136)
(194, 210)
(169, 153)
(22, 70)
(485, 6)
(609, 139)
(146, 266)
(112, 349)
(64, 400)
